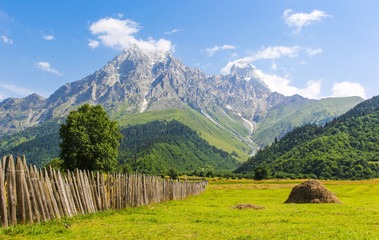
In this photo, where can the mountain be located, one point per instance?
(136, 84)
(346, 147)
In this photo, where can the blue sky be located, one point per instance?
(313, 48)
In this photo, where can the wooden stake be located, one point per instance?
(3, 201)
(20, 191)
(11, 191)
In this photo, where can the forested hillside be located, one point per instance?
(159, 145)
(39, 143)
(346, 148)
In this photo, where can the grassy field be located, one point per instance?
(209, 216)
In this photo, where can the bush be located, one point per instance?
(261, 172)
(210, 174)
(173, 173)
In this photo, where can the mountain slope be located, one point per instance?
(157, 146)
(296, 112)
(346, 147)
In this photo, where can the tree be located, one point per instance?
(210, 174)
(173, 173)
(89, 139)
(261, 172)
(55, 163)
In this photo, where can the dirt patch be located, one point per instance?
(311, 191)
(247, 205)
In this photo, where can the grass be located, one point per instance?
(208, 216)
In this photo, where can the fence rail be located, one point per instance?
(33, 195)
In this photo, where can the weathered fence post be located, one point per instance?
(52, 197)
(3, 201)
(20, 191)
(11, 191)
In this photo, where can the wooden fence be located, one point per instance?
(32, 195)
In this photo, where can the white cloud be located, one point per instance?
(211, 51)
(2, 97)
(282, 85)
(312, 89)
(299, 20)
(348, 89)
(45, 66)
(6, 40)
(173, 31)
(93, 43)
(48, 37)
(15, 89)
(120, 15)
(311, 52)
(119, 34)
(272, 52)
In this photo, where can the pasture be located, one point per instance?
(209, 216)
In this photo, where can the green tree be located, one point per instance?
(126, 168)
(89, 139)
(210, 174)
(55, 163)
(173, 173)
(261, 172)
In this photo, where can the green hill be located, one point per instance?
(346, 148)
(159, 145)
(214, 134)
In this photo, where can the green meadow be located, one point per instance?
(209, 216)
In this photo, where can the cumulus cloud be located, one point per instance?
(45, 66)
(6, 40)
(216, 48)
(48, 37)
(173, 31)
(119, 34)
(299, 20)
(15, 89)
(282, 85)
(348, 89)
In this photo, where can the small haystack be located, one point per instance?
(247, 205)
(311, 191)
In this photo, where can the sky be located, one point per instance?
(316, 49)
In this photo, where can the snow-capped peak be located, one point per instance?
(243, 69)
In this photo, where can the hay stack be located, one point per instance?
(311, 191)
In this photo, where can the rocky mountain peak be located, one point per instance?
(243, 69)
